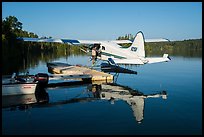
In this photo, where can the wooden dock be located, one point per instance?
(74, 70)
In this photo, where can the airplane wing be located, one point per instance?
(66, 41)
(71, 41)
(145, 40)
(121, 41)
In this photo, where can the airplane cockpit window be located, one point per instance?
(91, 46)
(133, 49)
(103, 48)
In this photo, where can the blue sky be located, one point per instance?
(108, 20)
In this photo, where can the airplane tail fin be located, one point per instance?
(138, 44)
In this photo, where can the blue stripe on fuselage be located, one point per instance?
(70, 41)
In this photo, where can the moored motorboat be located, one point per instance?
(18, 88)
(20, 85)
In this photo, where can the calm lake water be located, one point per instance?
(84, 110)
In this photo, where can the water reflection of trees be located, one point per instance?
(31, 54)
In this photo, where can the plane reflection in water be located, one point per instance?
(23, 102)
(134, 98)
(111, 92)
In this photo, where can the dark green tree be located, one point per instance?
(11, 25)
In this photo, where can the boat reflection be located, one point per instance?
(23, 102)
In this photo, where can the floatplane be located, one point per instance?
(113, 52)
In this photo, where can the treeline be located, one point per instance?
(188, 48)
(18, 55)
(126, 37)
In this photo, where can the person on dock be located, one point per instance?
(94, 55)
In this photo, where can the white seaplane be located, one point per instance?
(114, 53)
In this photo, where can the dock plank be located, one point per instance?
(67, 69)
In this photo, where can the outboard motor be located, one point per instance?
(42, 79)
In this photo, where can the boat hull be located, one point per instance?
(18, 89)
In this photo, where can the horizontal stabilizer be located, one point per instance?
(165, 58)
(135, 61)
